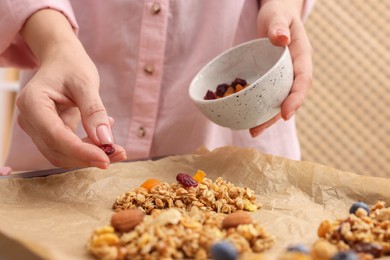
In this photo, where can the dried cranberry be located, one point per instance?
(210, 95)
(186, 180)
(108, 148)
(221, 89)
(240, 81)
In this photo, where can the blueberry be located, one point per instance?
(298, 248)
(224, 250)
(358, 205)
(346, 255)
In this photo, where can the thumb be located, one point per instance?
(276, 28)
(94, 118)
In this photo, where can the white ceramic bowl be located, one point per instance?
(267, 68)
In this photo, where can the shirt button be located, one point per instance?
(141, 132)
(156, 8)
(149, 68)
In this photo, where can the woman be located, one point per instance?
(132, 61)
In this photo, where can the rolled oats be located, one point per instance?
(219, 196)
(182, 222)
(177, 235)
(366, 233)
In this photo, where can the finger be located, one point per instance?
(117, 156)
(70, 117)
(93, 113)
(275, 26)
(111, 121)
(301, 54)
(60, 145)
(256, 131)
(5, 170)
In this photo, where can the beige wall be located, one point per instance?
(345, 121)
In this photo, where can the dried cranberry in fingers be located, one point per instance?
(108, 148)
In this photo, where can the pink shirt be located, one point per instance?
(147, 52)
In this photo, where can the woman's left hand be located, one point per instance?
(281, 22)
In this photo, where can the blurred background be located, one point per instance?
(345, 121)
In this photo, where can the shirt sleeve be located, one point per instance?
(14, 52)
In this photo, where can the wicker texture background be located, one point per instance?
(345, 120)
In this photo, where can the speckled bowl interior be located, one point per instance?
(267, 68)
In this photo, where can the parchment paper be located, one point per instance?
(53, 217)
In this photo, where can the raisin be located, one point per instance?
(221, 89)
(186, 180)
(108, 148)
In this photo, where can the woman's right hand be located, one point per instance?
(64, 90)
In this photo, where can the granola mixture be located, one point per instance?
(366, 232)
(220, 196)
(174, 234)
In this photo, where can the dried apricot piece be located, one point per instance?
(199, 176)
(229, 91)
(150, 183)
(238, 88)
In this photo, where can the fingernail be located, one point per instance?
(282, 35)
(104, 134)
(289, 115)
(101, 165)
(5, 171)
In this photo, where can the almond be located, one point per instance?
(236, 218)
(126, 220)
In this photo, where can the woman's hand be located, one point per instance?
(281, 22)
(64, 90)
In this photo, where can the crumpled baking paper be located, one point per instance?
(53, 217)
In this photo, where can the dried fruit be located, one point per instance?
(126, 220)
(239, 87)
(199, 176)
(237, 81)
(236, 218)
(108, 148)
(224, 250)
(210, 95)
(150, 183)
(358, 205)
(324, 228)
(229, 91)
(224, 90)
(221, 89)
(186, 180)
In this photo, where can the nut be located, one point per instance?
(126, 220)
(236, 218)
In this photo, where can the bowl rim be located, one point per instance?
(251, 85)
